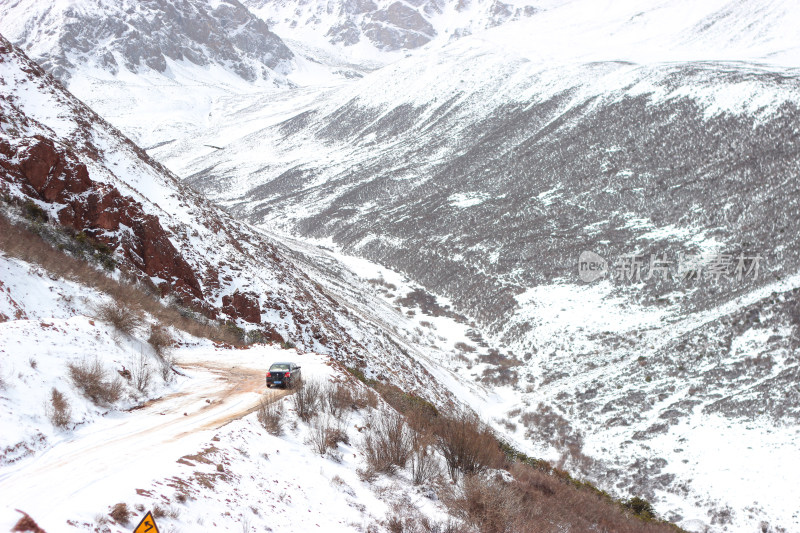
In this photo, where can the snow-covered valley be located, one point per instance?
(405, 189)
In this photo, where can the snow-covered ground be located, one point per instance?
(150, 446)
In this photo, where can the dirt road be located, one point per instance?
(127, 450)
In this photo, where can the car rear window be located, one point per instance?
(279, 366)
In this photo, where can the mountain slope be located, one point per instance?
(483, 169)
(81, 172)
(136, 35)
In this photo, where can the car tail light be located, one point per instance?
(269, 374)
(287, 374)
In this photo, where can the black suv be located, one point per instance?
(286, 374)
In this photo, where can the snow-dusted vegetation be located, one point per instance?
(398, 196)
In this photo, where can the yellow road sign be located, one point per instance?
(147, 525)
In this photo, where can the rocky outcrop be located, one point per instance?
(242, 305)
(139, 33)
(53, 175)
(398, 26)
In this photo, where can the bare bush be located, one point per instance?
(467, 445)
(336, 398)
(364, 397)
(168, 511)
(270, 416)
(161, 340)
(58, 410)
(141, 374)
(165, 368)
(91, 378)
(488, 504)
(388, 442)
(326, 434)
(424, 465)
(464, 347)
(307, 399)
(123, 318)
(120, 513)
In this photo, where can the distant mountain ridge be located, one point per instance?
(131, 35)
(387, 25)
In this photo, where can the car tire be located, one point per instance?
(269, 385)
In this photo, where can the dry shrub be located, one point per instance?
(165, 368)
(364, 397)
(488, 504)
(270, 416)
(424, 464)
(161, 340)
(534, 500)
(464, 347)
(545, 423)
(141, 374)
(388, 442)
(91, 378)
(326, 434)
(168, 511)
(336, 398)
(58, 411)
(501, 370)
(307, 399)
(26, 523)
(120, 513)
(466, 444)
(123, 318)
(406, 517)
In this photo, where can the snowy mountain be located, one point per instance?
(115, 399)
(367, 32)
(63, 36)
(482, 169)
(170, 60)
(440, 194)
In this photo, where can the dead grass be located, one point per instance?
(92, 379)
(58, 411)
(19, 242)
(123, 318)
(532, 500)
